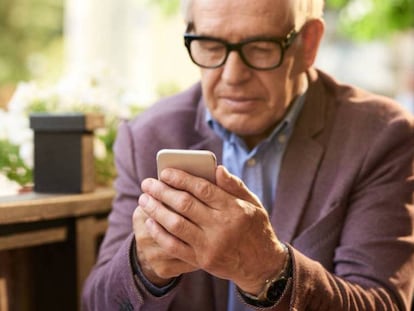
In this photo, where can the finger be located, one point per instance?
(234, 185)
(216, 195)
(155, 263)
(200, 188)
(169, 243)
(151, 256)
(178, 200)
(138, 217)
(154, 259)
(169, 229)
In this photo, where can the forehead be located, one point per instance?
(241, 18)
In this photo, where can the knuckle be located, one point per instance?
(204, 189)
(208, 262)
(176, 179)
(177, 225)
(170, 247)
(186, 202)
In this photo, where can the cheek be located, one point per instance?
(209, 80)
(274, 89)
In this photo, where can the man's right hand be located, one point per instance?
(158, 267)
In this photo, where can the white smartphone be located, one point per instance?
(200, 163)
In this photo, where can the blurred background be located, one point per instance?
(368, 42)
(119, 56)
(116, 57)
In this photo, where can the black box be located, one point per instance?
(63, 152)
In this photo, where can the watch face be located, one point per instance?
(276, 289)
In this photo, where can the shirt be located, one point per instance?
(258, 167)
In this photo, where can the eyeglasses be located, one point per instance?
(256, 53)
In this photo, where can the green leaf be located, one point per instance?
(12, 165)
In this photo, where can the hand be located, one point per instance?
(158, 267)
(222, 229)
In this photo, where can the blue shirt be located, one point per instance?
(258, 168)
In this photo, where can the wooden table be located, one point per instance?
(48, 244)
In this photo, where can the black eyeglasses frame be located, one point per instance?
(284, 44)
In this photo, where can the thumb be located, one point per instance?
(234, 186)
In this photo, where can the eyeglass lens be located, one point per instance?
(259, 54)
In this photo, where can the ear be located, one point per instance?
(311, 35)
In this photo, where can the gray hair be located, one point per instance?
(186, 7)
(303, 10)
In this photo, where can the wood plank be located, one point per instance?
(88, 230)
(33, 238)
(34, 207)
(15, 270)
(4, 304)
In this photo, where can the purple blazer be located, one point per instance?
(343, 204)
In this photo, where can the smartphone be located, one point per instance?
(200, 163)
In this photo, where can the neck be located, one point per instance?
(300, 88)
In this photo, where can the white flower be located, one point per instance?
(8, 187)
(26, 153)
(3, 132)
(97, 90)
(14, 128)
(23, 96)
(18, 130)
(99, 149)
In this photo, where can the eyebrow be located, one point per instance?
(252, 38)
(190, 27)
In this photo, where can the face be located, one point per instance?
(245, 101)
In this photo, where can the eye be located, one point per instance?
(211, 46)
(260, 47)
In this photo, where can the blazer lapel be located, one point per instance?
(300, 164)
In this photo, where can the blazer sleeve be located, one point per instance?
(373, 259)
(112, 284)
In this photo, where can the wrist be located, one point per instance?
(273, 288)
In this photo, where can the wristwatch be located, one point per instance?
(273, 288)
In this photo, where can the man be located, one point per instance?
(319, 215)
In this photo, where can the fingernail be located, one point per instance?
(143, 200)
(146, 184)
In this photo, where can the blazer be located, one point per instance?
(343, 204)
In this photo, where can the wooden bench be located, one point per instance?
(48, 245)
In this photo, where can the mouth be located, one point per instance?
(239, 103)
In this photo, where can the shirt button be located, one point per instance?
(281, 138)
(251, 162)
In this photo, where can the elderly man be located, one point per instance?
(311, 208)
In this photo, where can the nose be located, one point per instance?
(235, 71)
